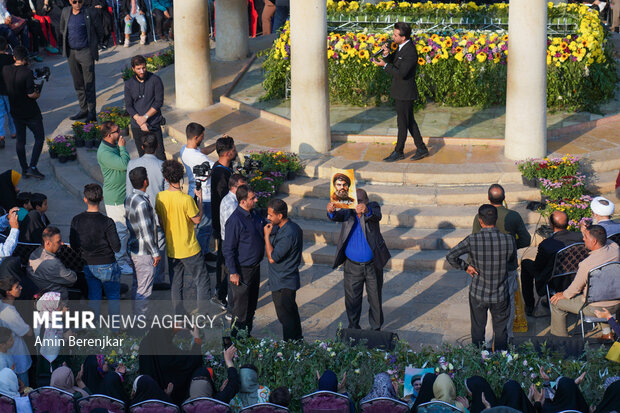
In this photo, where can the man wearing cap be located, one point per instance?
(602, 210)
(342, 183)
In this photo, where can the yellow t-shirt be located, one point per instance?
(175, 210)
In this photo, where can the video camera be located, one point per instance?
(251, 165)
(41, 75)
(201, 174)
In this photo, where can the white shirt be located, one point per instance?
(191, 158)
(10, 318)
(400, 46)
(4, 14)
(227, 207)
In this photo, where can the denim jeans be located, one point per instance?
(280, 17)
(107, 276)
(140, 18)
(205, 228)
(5, 116)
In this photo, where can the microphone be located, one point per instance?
(388, 43)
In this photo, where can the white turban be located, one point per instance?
(600, 209)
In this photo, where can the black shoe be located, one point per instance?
(419, 154)
(161, 286)
(91, 117)
(2, 144)
(220, 303)
(79, 115)
(529, 311)
(394, 156)
(209, 256)
(34, 172)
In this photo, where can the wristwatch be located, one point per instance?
(146, 117)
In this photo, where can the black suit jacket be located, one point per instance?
(93, 31)
(402, 66)
(548, 248)
(372, 232)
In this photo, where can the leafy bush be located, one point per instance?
(115, 114)
(153, 63)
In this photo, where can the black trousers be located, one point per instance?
(36, 126)
(355, 276)
(500, 312)
(406, 123)
(82, 67)
(138, 137)
(244, 298)
(529, 279)
(162, 23)
(221, 272)
(288, 313)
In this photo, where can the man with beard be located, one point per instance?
(144, 97)
(341, 189)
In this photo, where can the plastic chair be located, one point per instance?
(205, 404)
(153, 406)
(94, 401)
(325, 402)
(384, 405)
(566, 263)
(437, 407)
(7, 404)
(51, 399)
(603, 285)
(264, 408)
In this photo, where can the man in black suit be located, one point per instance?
(402, 66)
(363, 251)
(538, 272)
(80, 39)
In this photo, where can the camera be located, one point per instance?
(201, 174)
(41, 75)
(251, 165)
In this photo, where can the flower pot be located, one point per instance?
(63, 158)
(290, 175)
(124, 132)
(90, 143)
(53, 155)
(79, 142)
(532, 183)
(72, 157)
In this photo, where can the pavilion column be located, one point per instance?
(192, 69)
(231, 30)
(526, 96)
(310, 128)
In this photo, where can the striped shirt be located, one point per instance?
(489, 251)
(141, 224)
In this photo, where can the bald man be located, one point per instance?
(538, 272)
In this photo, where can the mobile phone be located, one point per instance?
(226, 342)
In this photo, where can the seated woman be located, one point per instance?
(513, 396)
(444, 391)
(203, 385)
(611, 398)
(145, 388)
(250, 391)
(94, 369)
(567, 397)
(9, 386)
(478, 388)
(329, 382)
(49, 357)
(112, 384)
(425, 394)
(381, 387)
(281, 396)
(63, 379)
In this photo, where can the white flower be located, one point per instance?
(450, 366)
(524, 363)
(357, 371)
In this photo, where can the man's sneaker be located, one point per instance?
(228, 317)
(142, 40)
(126, 268)
(219, 303)
(51, 49)
(126, 44)
(34, 172)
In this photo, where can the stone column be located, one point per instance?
(526, 96)
(231, 29)
(192, 62)
(310, 129)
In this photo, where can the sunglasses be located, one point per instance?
(77, 1)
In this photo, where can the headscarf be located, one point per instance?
(8, 192)
(63, 379)
(611, 399)
(9, 385)
(328, 381)
(202, 384)
(93, 372)
(145, 388)
(567, 397)
(382, 387)
(426, 391)
(248, 392)
(444, 391)
(47, 303)
(112, 385)
(477, 385)
(514, 396)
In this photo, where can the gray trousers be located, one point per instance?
(142, 285)
(355, 276)
(196, 266)
(560, 310)
(82, 67)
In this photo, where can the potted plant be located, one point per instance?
(117, 115)
(65, 148)
(92, 134)
(283, 164)
(51, 146)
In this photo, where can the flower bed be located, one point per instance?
(62, 147)
(154, 62)
(276, 167)
(115, 114)
(460, 69)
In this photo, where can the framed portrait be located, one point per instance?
(342, 191)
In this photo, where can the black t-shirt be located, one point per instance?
(5, 60)
(219, 189)
(94, 236)
(19, 82)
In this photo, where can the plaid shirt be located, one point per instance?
(141, 224)
(489, 251)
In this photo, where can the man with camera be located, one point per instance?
(198, 168)
(23, 94)
(144, 97)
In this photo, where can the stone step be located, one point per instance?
(71, 176)
(397, 238)
(413, 195)
(423, 217)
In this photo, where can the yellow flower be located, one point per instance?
(363, 54)
(421, 61)
(481, 57)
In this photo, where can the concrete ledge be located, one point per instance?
(429, 140)
(558, 133)
(259, 113)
